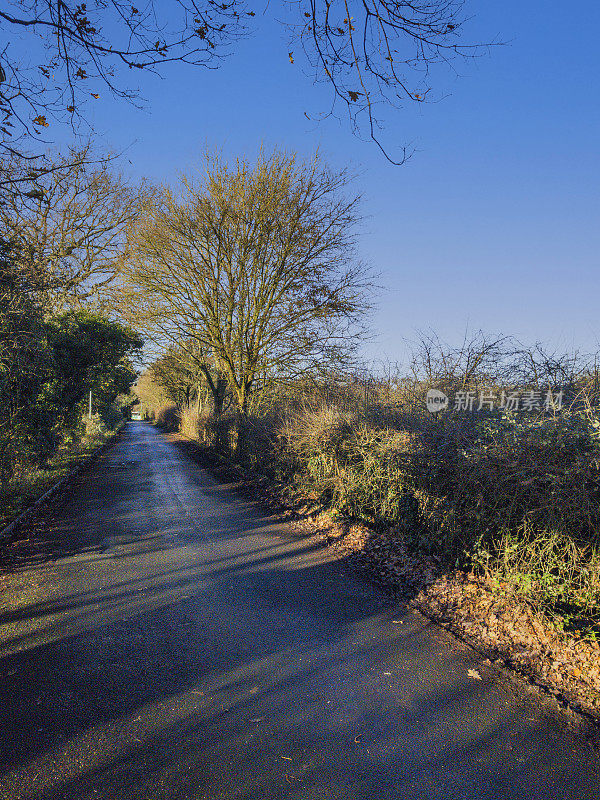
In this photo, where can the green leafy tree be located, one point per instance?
(26, 419)
(47, 366)
(90, 353)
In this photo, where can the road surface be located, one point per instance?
(171, 640)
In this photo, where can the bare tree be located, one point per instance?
(184, 371)
(542, 367)
(373, 53)
(377, 54)
(481, 359)
(150, 395)
(257, 264)
(68, 223)
(179, 378)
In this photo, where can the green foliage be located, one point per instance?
(89, 353)
(26, 424)
(47, 368)
(32, 480)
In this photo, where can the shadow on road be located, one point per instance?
(165, 657)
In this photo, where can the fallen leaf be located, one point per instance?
(472, 673)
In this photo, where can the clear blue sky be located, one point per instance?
(492, 224)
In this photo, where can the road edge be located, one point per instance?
(43, 500)
(571, 714)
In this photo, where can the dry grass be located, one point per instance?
(518, 501)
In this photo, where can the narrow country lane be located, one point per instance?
(176, 642)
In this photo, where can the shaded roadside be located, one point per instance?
(489, 618)
(22, 500)
(178, 640)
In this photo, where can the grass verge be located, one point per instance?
(20, 493)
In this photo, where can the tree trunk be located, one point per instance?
(219, 392)
(242, 424)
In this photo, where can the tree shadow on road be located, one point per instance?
(240, 660)
(316, 689)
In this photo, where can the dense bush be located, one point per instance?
(168, 417)
(47, 367)
(516, 498)
(538, 473)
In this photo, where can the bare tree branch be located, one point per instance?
(375, 54)
(257, 265)
(78, 51)
(67, 221)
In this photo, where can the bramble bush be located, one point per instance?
(516, 498)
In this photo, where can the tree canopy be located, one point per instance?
(256, 264)
(91, 353)
(67, 222)
(49, 364)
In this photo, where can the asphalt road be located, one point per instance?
(170, 640)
